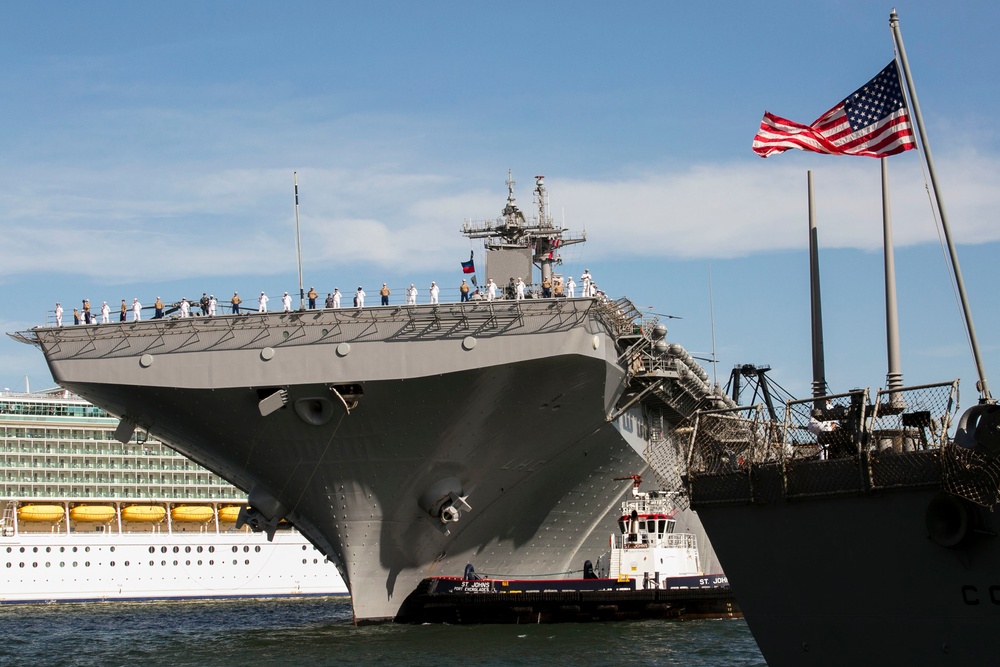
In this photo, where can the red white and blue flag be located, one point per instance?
(469, 267)
(872, 121)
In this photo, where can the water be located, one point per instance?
(319, 632)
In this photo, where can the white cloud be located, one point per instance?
(232, 221)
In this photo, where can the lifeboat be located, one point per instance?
(41, 513)
(192, 513)
(95, 513)
(144, 513)
(229, 514)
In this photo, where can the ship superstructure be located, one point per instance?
(84, 517)
(515, 244)
(647, 548)
(405, 441)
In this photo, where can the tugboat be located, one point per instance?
(649, 572)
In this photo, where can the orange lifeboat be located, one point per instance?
(41, 513)
(192, 513)
(94, 513)
(229, 514)
(144, 513)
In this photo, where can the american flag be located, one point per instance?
(872, 121)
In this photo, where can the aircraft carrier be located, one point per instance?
(407, 440)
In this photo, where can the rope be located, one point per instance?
(944, 250)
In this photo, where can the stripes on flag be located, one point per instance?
(872, 121)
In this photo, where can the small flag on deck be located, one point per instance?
(872, 121)
(469, 267)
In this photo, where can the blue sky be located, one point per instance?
(148, 149)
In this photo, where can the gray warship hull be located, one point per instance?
(882, 534)
(848, 602)
(404, 442)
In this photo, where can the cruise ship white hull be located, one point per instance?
(87, 567)
(389, 415)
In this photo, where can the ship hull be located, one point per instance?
(864, 583)
(88, 567)
(355, 487)
(505, 406)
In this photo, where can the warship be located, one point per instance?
(405, 441)
(877, 508)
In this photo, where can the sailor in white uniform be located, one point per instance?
(105, 313)
(585, 281)
(359, 298)
(286, 303)
(336, 297)
(136, 310)
(212, 303)
(435, 290)
(411, 295)
(519, 289)
(491, 290)
(262, 300)
(185, 307)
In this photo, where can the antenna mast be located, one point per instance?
(298, 242)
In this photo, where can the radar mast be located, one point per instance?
(511, 237)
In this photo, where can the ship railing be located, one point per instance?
(650, 541)
(838, 444)
(8, 522)
(727, 448)
(661, 504)
(914, 418)
(447, 295)
(369, 324)
(726, 438)
(620, 316)
(826, 426)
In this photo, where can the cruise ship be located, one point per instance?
(84, 517)
(410, 439)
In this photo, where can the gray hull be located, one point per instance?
(878, 547)
(856, 581)
(386, 411)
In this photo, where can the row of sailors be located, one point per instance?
(209, 304)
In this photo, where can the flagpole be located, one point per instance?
(816, 308)
(298, 242)
(982, 385)
(894, 376)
